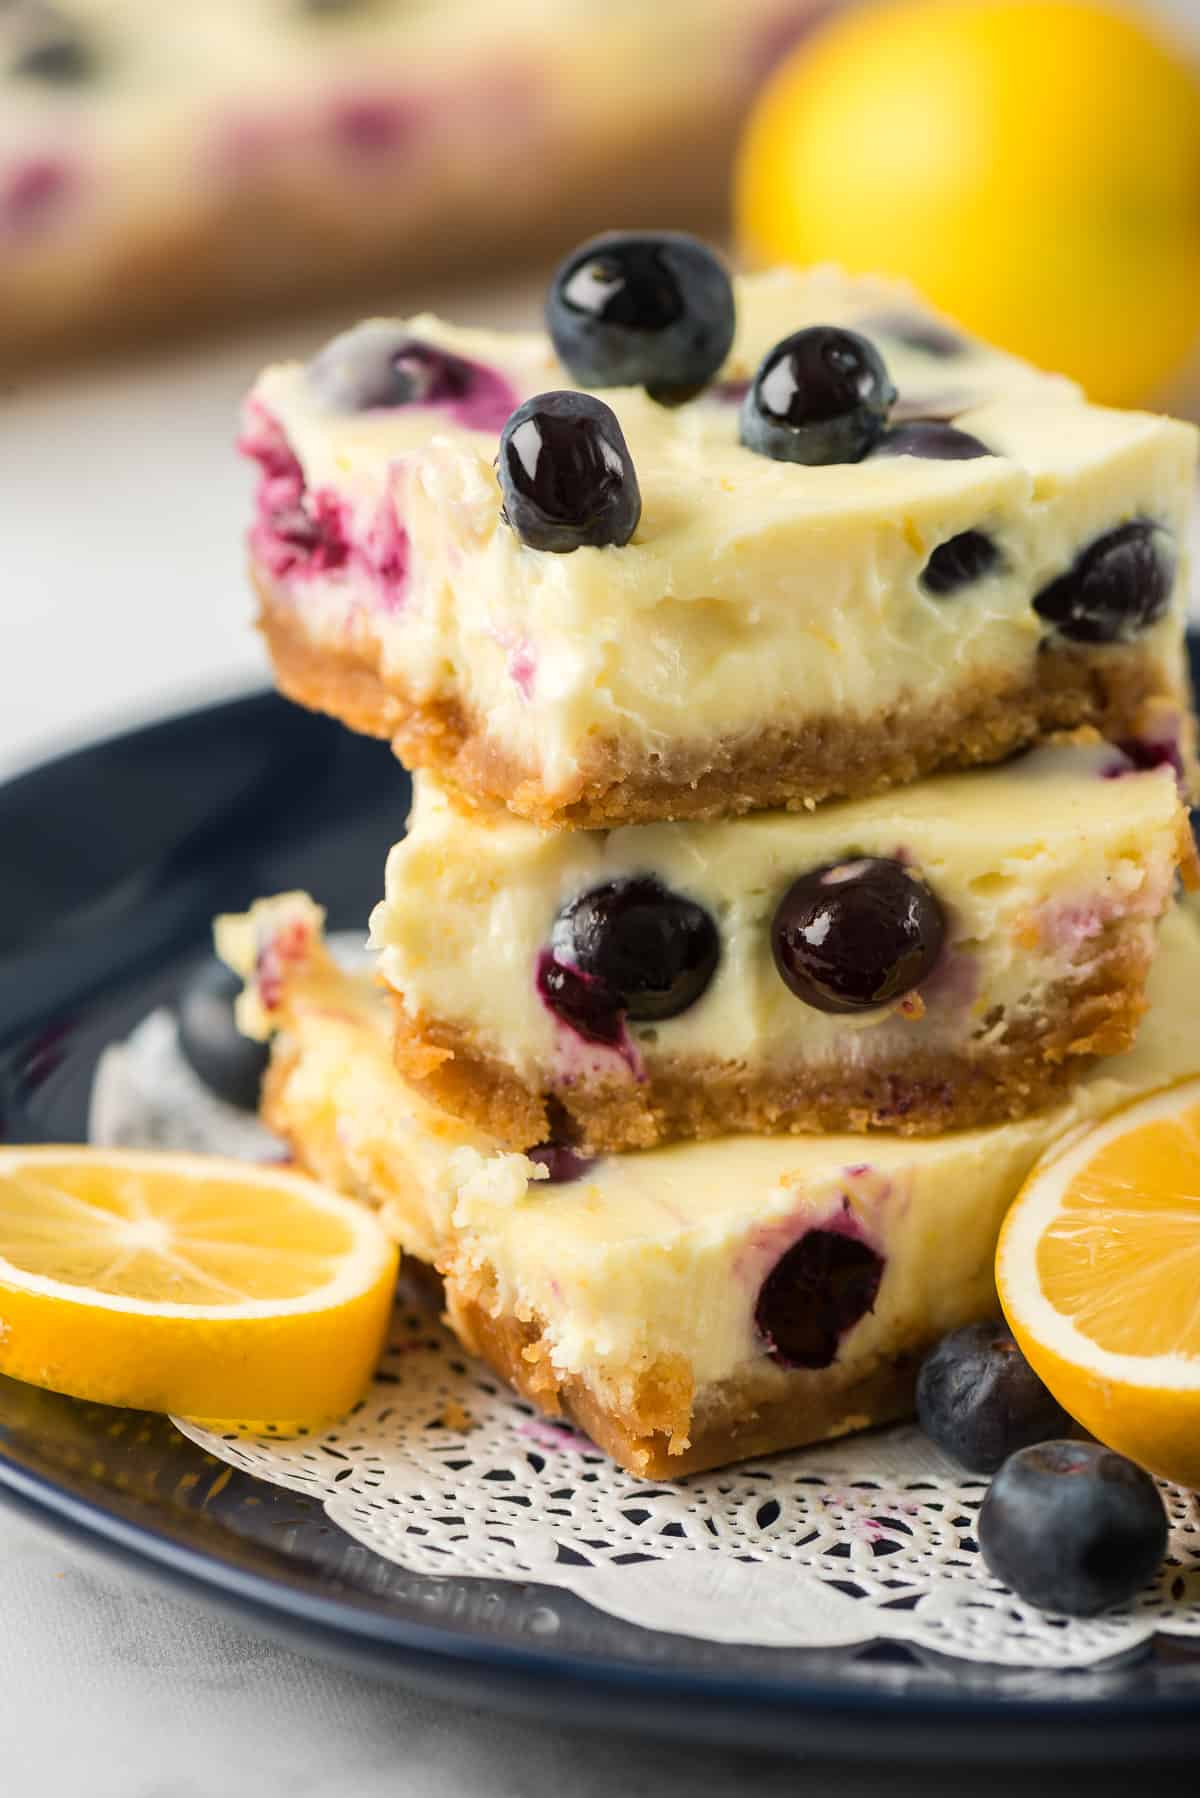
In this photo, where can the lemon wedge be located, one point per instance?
(1098, 1270)
(210, 1288)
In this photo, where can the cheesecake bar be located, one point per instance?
(727, 612)
(937, 957)
(686, 1306)
(164, 161)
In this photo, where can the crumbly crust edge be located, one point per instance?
(1011, 1074)
(658, 1426)
(663, 1428)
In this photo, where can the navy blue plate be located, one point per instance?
(115, 860)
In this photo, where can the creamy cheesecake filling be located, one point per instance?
(755, 595)
(691, 1273)
(1049, 872)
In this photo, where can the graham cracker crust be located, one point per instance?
(665, 1429)
(1015, 1073)
(1116, 688)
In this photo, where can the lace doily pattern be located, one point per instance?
(442, 1470)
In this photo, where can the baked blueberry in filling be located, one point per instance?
(566, 475)
(856, 935)
(959, 562)
(1144, 754)
(1118, 586)
(917, 333)
(587, 1005)
(815, 1293)
(562, 1163)
(821, 396)
(642, 310)
(371, 368)
(650, 951)
(44, 44)
(932, 439)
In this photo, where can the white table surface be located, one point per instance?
(110, 1688)
(120, 516)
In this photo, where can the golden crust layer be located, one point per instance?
(1012, 1074)
(664, 1429)
(1114, 688)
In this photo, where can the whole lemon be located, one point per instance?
(1033, 166)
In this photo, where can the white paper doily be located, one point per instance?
(444, 1471)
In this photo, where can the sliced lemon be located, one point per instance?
(184, 1283)
(1098, 1270)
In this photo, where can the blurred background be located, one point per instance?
(187, 191)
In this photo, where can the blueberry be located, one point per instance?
(1071, 1527)
(1118, 586)
(561, 1162)
(820, 396)
(587, 1005)
(856, 935)
(930, 438)
(373, 366)
(979, 1399)
(652, 949)
(917, 333)
(958, 562)
(231, 1065)
(566, 474)
(50, 47)
(642, 309)
(814, 1294)
(1144, 754)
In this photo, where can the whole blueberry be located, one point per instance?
(374, 366)
(1118, 586)
(814, 1294)
(566, 475)
(642, 309)
(1072, 1527)
(231, 1065)
(856, 935)
(932, 439)
(652, 948)
(959, 562)
(821, 396)
(49, 45)
(979, 1399)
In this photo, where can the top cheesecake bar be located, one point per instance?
(710, 547)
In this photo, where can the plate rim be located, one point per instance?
(792, 1712)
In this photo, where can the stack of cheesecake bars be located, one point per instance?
(797, 695)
